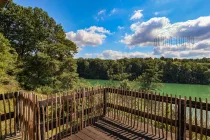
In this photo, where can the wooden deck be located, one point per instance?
(109, 129)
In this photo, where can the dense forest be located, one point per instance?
(186, 71)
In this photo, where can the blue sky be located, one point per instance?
(113, 29)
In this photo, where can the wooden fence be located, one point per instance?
(61, 115)
(162, 115)
(18, 115)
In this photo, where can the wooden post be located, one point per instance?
(42, 121)
(181, 110)
(105, 102)
(17, 107)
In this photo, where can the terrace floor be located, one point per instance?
(108, 129)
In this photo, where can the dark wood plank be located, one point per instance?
(92, 135)
(97, 132)
(8, 95)
(83, 136)
(74, 137)
(7, 116)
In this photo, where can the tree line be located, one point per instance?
(185, 71)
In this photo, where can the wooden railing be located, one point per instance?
(166, 116)
(61, 115)
(8, 115)
(18, 115)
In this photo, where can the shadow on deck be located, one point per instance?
(106, 129)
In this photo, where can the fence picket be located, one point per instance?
(155, 113)
(201, 120)
(141, 109)
(162, 115)
(4, 104)
(190, 118)
(151, 112)
(47, 116)
(144, 112)
(10, 118)
(159, 102)
(176, 116)
(138, 106)
(147, 94)
(1, 136)
(51, 97)
(56, 117)
(206, 118)
(166, 116)
(196, 132)
(63, 111)
(185, 105)
(171, 110)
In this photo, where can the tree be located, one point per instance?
(150, 79)
(7, 60)
(45, 56)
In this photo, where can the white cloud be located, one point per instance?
(120, 27)
(156, 13)
(164, 12)
(145, 32)
(100, 15)
(102, 12)
(137, 15)
(88, 55)
(189, 50)
(91, 36)
(115, 10)
(110, 54)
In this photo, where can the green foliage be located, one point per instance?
(185, 71)
(150, 78)
(8, 58)
(45, 90)
(125, 84)
(45, 56)
(82, 83)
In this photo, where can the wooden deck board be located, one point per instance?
(74, 137)
(109, 129)
(83, 136)
(92, 135)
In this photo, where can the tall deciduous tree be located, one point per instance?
(45, 56)
(8, 58)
